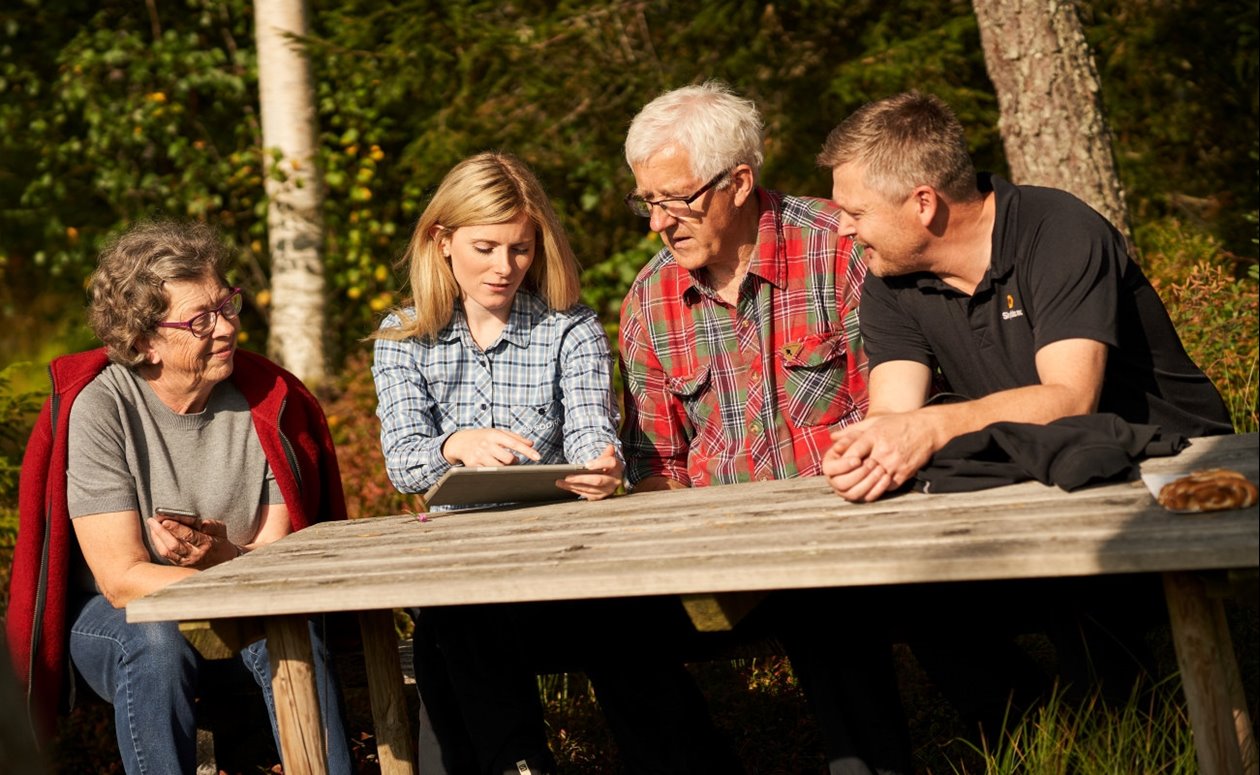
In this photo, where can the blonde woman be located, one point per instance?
(494, 362)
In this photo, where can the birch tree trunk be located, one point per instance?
(294, 189)
(1052, 122)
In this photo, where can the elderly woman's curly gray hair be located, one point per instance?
(127, 290)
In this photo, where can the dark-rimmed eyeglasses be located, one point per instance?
(679, 206)
(202, 325)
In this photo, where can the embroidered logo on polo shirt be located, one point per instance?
(1010, 312)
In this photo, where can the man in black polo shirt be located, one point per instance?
(1024, 302)
(1023, 297)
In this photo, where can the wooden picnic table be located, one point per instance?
(704, 543)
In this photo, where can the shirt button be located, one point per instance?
(764, 477)
(754, 426)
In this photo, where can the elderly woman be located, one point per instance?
(167, 452)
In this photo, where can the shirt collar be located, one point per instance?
(1005, 211)
(769, 261)
(1001, 261)
(527, 311)
(769, 254)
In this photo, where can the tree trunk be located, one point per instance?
(294, 189)
(1052, 121)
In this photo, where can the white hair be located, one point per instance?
(717, 129)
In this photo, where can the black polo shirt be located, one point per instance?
(1058, 271)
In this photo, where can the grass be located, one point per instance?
(757, 703)
(1149, 735)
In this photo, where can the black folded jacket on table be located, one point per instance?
(1071, 452)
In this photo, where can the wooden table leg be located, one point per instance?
(385, 689)
(297, 702)
(720, 612)
(1209, 676)
(1237, 695)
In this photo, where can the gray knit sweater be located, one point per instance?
(129, 451)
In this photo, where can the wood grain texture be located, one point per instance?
(1209, 676)
(748, 537)
(385, 690)
(297, 703)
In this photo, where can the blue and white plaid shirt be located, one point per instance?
(547, 377)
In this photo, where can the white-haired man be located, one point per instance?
(739, 339)
(740, 354)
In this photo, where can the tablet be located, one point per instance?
(467, 485)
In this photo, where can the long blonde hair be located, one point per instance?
(488, 188)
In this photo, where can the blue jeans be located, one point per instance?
(149, 673)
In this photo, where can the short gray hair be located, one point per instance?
(128, 293)
(904, 141)
(717, 129)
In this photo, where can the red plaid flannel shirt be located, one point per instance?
(718, 394)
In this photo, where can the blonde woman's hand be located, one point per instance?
(606, 472)
(487, 447)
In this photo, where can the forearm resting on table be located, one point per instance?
(1036, 404)
(899, 435)
(120, 588)
(1070, 371)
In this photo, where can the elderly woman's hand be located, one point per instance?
(191, 542)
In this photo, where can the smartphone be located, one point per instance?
(166, 511)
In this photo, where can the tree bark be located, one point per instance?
(1052, 122)
(294, 189)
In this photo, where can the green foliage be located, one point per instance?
(125, 118)
(18, 409)
(1179, 83)
(605, 283)
(1216, 314)
(1150, 734)
(351, 409)
(108, 115)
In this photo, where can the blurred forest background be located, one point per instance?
(117, 110)
(114, 110)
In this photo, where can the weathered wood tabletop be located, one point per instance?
(748, 537)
